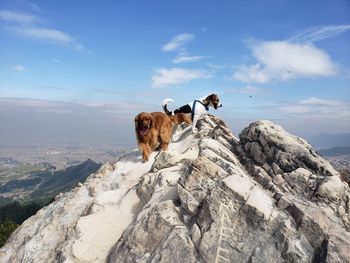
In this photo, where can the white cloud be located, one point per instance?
(314, 107)
(318, 33)
(280, 60)
(17, 17)
(45, 34)
(166, 77)
(183, 57)
(19, 68)
(215, 67)
(251, 73)
(322, 102)
(299, 59)
(178, 42)
(29, 26)
(295, 57)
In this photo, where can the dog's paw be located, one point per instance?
(194, 130)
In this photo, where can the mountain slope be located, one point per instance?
(33, 182)
(66, 179)
(210, 198)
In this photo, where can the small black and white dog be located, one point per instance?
(197, 108)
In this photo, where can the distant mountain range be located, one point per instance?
(335, 151)
(326, 141)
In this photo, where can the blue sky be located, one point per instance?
(287, 61)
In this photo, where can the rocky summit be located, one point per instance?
(265, 197)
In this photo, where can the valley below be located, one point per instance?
(29, 173)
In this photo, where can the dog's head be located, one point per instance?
(213, 100)
(143, 123)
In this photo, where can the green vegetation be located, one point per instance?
(14, 214)
(41, 186)
(6, 228)
(5, 201)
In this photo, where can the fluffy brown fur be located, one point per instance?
(154, 129)
(179, 118)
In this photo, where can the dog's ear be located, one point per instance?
(136, 120)
(208, 99)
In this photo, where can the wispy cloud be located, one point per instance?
(316, 108)
(30, 26)
(48, 34)
(183, 57)
(314, 101)
(17, 17)
(281, 60)
(44, 33)
(19, 68)
(167, 77)
(319, 33)
(177, 42)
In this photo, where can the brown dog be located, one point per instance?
(154, 130)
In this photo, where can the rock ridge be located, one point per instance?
(267, 197)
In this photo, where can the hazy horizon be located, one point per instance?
(38, 122)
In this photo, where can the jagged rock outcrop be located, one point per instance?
(267, 197)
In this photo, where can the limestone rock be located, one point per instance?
(268, 197)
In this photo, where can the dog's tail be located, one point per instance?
(164, 104)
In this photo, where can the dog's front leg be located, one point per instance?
(165, 136)
(194, 123)
(145, 149)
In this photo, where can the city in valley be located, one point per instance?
(30, 172)
(58, 156)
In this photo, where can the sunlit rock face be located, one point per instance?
(267, 197)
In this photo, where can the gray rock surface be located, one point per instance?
(268, 197)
